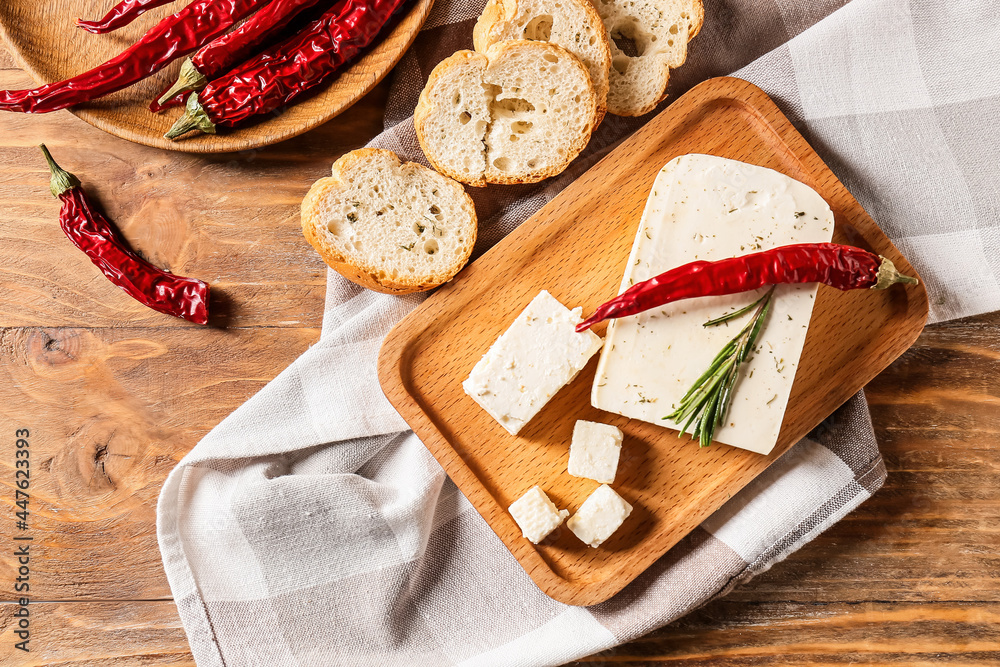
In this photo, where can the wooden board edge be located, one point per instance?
(391, 359)
(406, 31)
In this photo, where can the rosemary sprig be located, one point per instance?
(707, 401)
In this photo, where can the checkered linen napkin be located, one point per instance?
(312, 528)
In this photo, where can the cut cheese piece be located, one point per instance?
(595, 450)
(536, 515)
(599, 516)
(537, 356)
(707, 208)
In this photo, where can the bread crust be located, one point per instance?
(697, 19)
(695, 22)
(498, 12)
(493, 54)
(367, 276)
(425, 108)
(496, 52)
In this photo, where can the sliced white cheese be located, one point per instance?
(536, 515)
(537, 356)
(599, 516)
(594, 451)
(704, 207)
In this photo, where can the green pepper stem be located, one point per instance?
(188, 79)
(194, 118)
(889, 276)
(61, 180)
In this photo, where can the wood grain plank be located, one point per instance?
(920, 538)
(723, 633)
(207, 217)
(732, 634)
(97, 634)
(111, 412)
(916, 540)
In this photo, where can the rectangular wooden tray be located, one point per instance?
(576, 247)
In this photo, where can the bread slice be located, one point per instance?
(572, 24)
(519, 113)
(388, 226)
(648, 38)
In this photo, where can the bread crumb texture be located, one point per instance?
(389, 226)
(648, 38)
(519, 113)
(572, 24)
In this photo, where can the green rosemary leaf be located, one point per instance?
(717, 363)
(699, 393)
(707, 402)
(727, 394)
(735, 313)
(707, 424)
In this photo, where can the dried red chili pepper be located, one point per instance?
(91, 232)
(173, 37)
(218, 57)
(121, 15)
(280, 75)
(840, 266)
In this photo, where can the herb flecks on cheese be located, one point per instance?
(537, 356)
(711, 208)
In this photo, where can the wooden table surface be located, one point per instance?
(114, 395)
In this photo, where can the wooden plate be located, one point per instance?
(577, 247)
(42, 36)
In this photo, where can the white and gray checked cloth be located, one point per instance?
(312, 528)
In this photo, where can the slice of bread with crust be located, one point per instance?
(572, 24)
(389, 226)
(648, 39)
(519, 113)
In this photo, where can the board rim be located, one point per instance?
(387, 53)
(396, 346)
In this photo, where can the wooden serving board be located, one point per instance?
(576, 247)
(43, 37)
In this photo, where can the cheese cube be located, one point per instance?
(537, 356)
(594, 451)
(599, 516)
(536, 515)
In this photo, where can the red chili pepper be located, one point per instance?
(173, 37)
(121, 15)
(91, 232)
(221, 55)
(840, 266)
(282, 74)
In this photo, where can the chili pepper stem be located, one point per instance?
(61, 180)
(194, 118)
(188, 79)
(889, 276)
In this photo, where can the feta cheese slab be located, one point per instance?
(537, 356)
(599, 516)
(536, 515)
(704, 207)
(595, 450)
